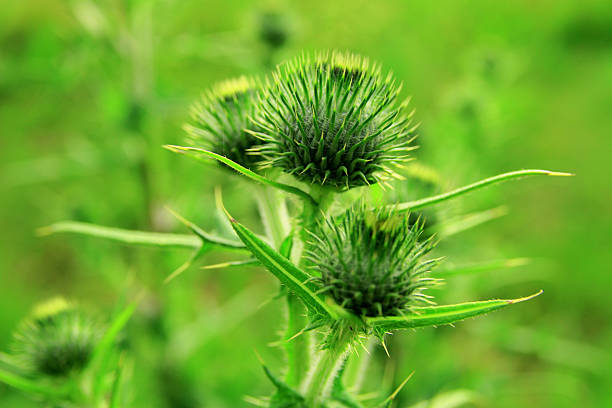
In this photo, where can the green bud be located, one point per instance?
(334, 120)
(56, 340)
(371, 262)
(221, 121)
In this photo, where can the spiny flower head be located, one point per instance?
(221, 121)
(56, 340)
(371, 261)
(334, 120)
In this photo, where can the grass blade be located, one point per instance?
(196, 152)
(424, 202)
(439, 315)
(285, 271)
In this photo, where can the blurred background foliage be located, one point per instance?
(90, 90)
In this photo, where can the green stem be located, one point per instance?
(318, 385)
(274, 215)
(358, 367)
(297, 348)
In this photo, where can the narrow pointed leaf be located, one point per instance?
(132, 237)
(197, 153)
(439, 315)
(285, 271)
(424, 202)
(155, 239)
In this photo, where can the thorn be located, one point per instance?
(397, 390)
(382, 342)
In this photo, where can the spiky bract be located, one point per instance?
(56, 340)
(221, 121)
(371, 262)
(334, 120)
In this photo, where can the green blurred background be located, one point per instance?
(90, 90)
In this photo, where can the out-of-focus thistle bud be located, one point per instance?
(56, 340)
(273, 29)
(334, 120)
(221, 121)
(371, 262)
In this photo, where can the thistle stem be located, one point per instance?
(274, 215)
(318, 385)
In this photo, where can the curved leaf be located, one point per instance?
(424, 202)
(196, 152)
(290, 275)
(439, 315)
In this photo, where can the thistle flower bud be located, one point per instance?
(221, 121)
(273, 28)
(334, 120)
(371, 262)
(56, 340)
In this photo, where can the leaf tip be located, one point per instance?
(526, 298)
(560, 174)
(44, 231)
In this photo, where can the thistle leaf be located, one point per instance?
(439, 315)
(132, 237)
(424, 202)
(285, 396)
(285, 271)
(155, 239)
(196, 153)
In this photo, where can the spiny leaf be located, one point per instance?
(479, 267)
(439, 315)
(285, 271)
(285, 396)
(197, 152)
(203, 235)
(132, 237)
(424, 202)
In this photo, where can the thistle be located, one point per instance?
(370, 262)
(221, 121)
(334, 120)
(56, 340)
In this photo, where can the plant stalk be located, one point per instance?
(318, 385)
